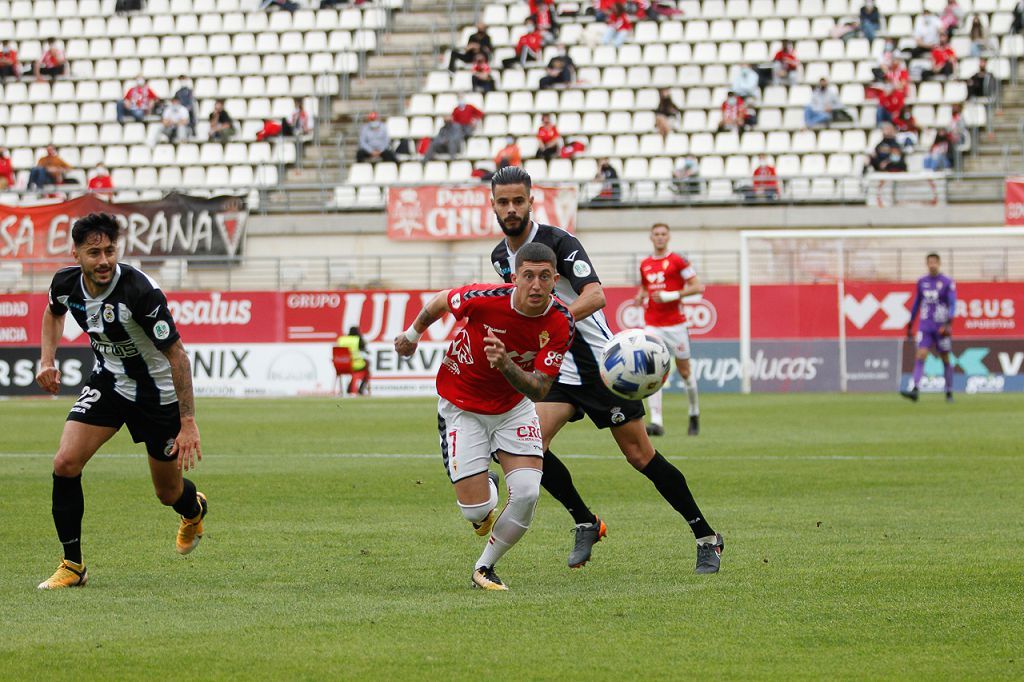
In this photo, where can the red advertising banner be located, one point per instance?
(433, 213)
(1015, 201)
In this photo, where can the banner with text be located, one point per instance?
(434, 212)
(1015, 201)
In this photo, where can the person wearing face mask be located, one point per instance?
(138, 102)
(374, 142)
(735, 115)
(824, 107)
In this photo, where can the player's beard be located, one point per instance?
(518, 229)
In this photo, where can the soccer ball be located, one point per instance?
(634, 364)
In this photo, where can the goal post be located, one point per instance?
(823, 260)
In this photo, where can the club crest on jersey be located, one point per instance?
(123, 313)
(617, 416)
(544, 338)
(108, 312)
(161, 330)
(168, 446)
(456, 301)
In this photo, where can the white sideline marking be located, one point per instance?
(696, 458)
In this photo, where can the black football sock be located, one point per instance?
(188, 504)
(68, 508)
(558, 481)
(671, 483)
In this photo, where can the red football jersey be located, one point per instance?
(539, 343)
(668, 273)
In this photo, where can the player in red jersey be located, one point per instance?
(665, 279)
(507, 354)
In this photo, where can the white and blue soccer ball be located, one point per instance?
(635, 364)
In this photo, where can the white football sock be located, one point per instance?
(475, 513)
(654, 403)
(691, 394)
(514, 520)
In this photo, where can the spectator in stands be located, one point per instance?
(824, 107)
(883, 149)
(952, 16)
(561, 70)
(1018, 18)
(611, 187)
(943, 60)
(734, 114)
(509, 155)
(746, 83)
(686, 176)
(466, 115)
(482, 40)
(528, 49)
(287, 5)
(543, 14)
(6, 169)
(483, 81)
(786, 64)
(765, 185)
(101, 183)
(894, 162)
(907, 131)
(449, 140)
(870, 19)
(886, 58)
(222, 126)
(602, 9)
(619, 27)
(667, 113)
(9, 67)
(138, 102)
(49, 170)
(374, 141)
(187, 99)
(927, 29)
(890, 104)
(981, 43)
(957, 134)
(173, 123)
(549, 141)
(938, 156)
(52, 63)
(982, 83)
(478, 43)
(298, 122)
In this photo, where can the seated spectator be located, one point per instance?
(173, 123)
(845, 29)
(894, 162)
(222, 126)
(466, 115)
(890, 103)
(448, 140)
(543, 15)
(49, 170)
(746, 83)
(477, 44)
(6, 169)
(982, 83)
(927, 29)
(981, 43)
(508, 155)
(286, 5)
(101, 183)
(1017, 26)
(52, 63)
(619, 27)
(765, 186)
(870, 19)
(883, 149)
(734, 114)
(667, 113)
(951, 17)
(824, 107)
(786, 65)
(483, 81)
(889, 138)
(886, 58)
(611, 188)
(957, 134)
(187, 99)
(9, 67)
(907, 130)
(482, 40)
(939, 154)
(528, 49)
(374, 141)
(943, 60)
(561, 70)
(602, 9)
(138, 102)
(686, 176)
(549, 141)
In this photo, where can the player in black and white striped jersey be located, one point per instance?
(142, 378)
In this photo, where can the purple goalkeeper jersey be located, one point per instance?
(935, 300)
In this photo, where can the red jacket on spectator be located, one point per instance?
(765, 178)
(7, 170)
(543, 18)
(734, 112)
(51, 58)
(606, 6)
(534, 41)
(10, 57)
(140, 97)
(893, 101)
(621, 22)
(537, 4)
(899, 78)
(787, 58)
(466, 115)
(546, 134)
(941, 55)
(102, 184)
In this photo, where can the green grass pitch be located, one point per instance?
(866, 538)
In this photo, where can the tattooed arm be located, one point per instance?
(186, 444)
(534, 385)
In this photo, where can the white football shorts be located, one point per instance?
(469, 440)
(676, 337)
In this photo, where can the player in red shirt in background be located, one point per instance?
(666, 278)
(506, 356)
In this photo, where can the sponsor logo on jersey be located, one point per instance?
(119, 349)
(544, 338)
(153, 313)
(572, 256)
(108, 313)
(502, 268)
(161, 329)
(494, 331)
(581, 268)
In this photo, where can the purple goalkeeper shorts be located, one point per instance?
(933, 341)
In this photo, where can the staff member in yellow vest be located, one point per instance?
(360, 368)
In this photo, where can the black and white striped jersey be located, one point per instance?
(129, 325)
(581, 363)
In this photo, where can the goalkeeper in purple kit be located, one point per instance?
(936, 301)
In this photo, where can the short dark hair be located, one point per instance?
(535, 252)
(353, 331)
(103, 223)
(657, 225)
(511, 175)
(933, 255)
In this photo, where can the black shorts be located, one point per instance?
(603, 407)
(153, 424)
